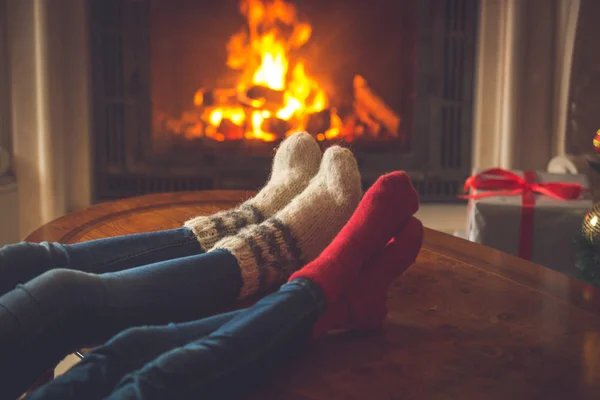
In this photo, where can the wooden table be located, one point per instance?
(465, 322)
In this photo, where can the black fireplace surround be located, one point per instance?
(438, 126)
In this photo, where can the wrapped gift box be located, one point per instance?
(496, 222)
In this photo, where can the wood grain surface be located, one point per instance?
(465, 322)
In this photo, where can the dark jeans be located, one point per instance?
(71, 298)
(214, 358)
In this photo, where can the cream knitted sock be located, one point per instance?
(295, 163)
(270, 252)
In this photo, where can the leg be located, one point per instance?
(226, 361)
(181, 289)
(97, 374)
(24, 261)
(63, 310)
(259, 336)
(294, 164)
(344, 294)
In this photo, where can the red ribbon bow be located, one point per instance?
(500, 182)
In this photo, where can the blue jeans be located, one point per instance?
(19, 263)
(91, 291)
(217, 357)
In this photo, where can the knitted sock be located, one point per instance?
(363, 304)
(269, 252)
(385, 208)
(295, 163)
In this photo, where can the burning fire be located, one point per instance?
(274, 95)
(261, 52)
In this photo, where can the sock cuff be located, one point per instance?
(210, 229)
(266, 254)
(251, 269)
(319, 272)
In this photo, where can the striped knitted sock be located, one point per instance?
(270, 252)
(295, 163)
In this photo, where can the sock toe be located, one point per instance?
(299, 152)
(340, 167)
(395, 187)
(390, 202)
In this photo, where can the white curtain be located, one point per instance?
(524, 66)
(49, 67)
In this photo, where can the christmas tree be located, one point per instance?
(588, 240)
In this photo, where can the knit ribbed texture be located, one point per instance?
(268, 253)
(295, 163)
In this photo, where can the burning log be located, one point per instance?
(366, 101)
(194, 131)
(215, 97)
(262, 97)
(364, 116)
(318, 122)
(230, 130)
(268, 94)
(276, 126)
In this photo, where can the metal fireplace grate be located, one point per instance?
(125, 165)
(130, 185)
(458, 74)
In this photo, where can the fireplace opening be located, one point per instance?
(258, 70)
(193, 94)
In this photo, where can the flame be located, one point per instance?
(261, 51)
(273, 68)
(257, 133)
(285, 96)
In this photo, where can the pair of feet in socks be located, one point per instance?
(307, 200)
(306, 211)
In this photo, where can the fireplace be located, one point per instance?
(191, 94)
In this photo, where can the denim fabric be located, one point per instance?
(97, 374)
(213, 358)
(62, 310)
(24, 261)
(234, 357)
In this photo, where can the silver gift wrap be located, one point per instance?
(496, 221)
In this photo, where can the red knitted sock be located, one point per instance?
(363, 304)
(384, 209)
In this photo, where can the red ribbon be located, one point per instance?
(500, 182)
